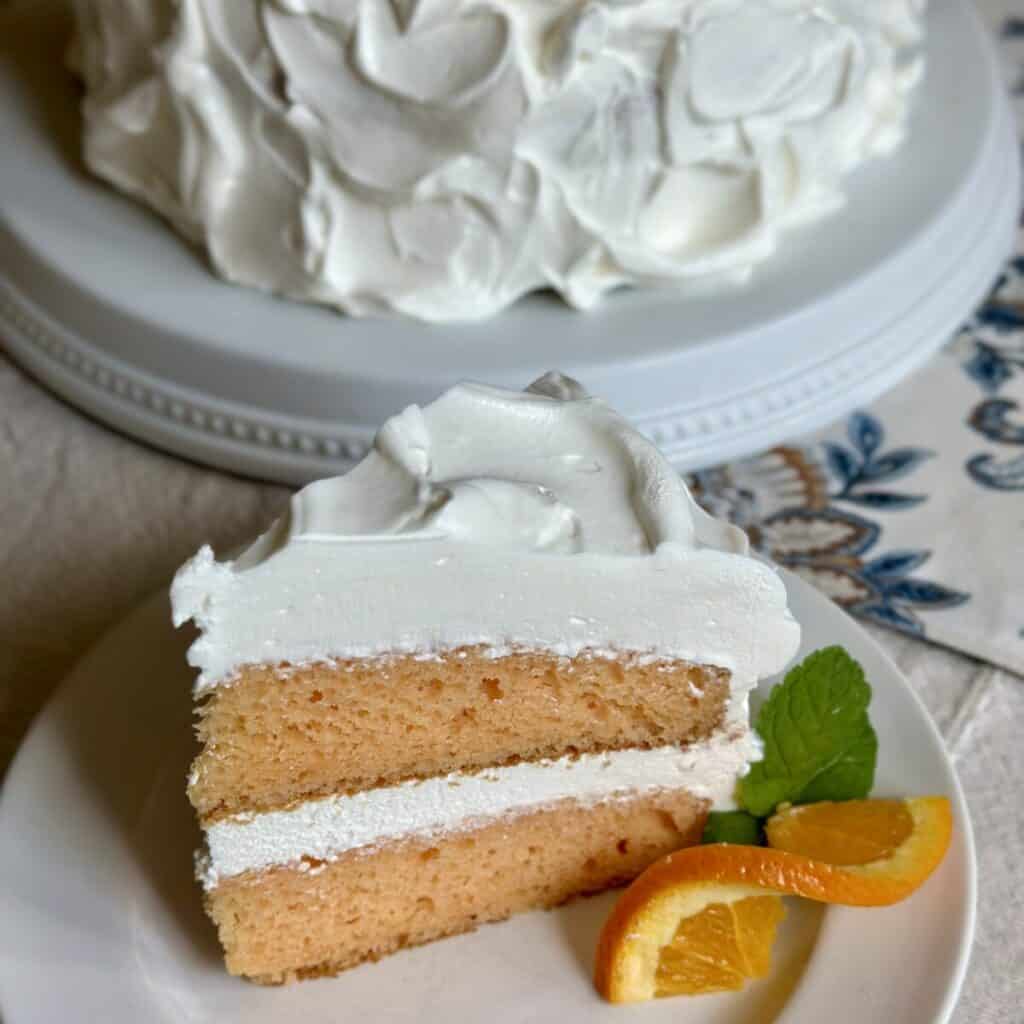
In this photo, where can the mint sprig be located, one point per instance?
(818, 743)
(818, 740)
(733, 827)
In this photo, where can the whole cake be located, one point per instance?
(504, 661)
(440, 158)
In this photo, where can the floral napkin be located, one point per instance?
(911, 513)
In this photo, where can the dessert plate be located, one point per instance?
(100, 918)
(108, 307)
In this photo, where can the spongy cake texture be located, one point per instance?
(318, 919)
(276, 736)
(279, 736)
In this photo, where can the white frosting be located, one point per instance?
(440, 158)
(537, 520)
(324, 829)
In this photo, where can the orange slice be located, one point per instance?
(851, 832)
(703, 919)
(720, 948)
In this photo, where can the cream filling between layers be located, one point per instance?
(324, 829)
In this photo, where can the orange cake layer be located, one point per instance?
(284, 924)
(276, 736)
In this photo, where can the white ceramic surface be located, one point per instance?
(100, 918)
(110, 309)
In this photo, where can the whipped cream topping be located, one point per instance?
(536, 520)
(440, 158)
(323, 830)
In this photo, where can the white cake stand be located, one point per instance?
(107, 307)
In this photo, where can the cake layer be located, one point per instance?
(321, 918)
(272, 739)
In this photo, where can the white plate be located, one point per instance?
(100, 919)
(104, 304)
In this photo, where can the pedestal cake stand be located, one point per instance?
(106, 306)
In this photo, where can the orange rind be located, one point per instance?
(676, 913)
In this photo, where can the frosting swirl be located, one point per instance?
(440, 158)
(536, 520)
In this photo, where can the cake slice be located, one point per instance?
(502, 662)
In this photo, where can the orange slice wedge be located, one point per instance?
(852, 832)
(703, 919)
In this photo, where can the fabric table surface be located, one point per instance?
(910, 514)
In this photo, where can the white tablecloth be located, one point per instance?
(91, 522)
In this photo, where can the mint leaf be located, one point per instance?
(851, 777)
(733, 827)
(818, 740)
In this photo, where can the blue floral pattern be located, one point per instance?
(999, 476)
(837, 549)
(861, 467)
(996, 330)
(994, 342)
(1013, 30)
